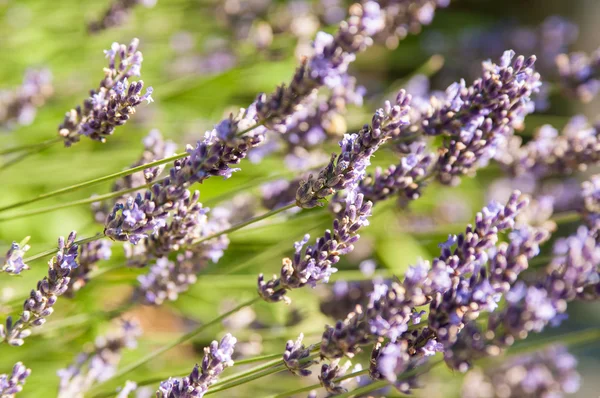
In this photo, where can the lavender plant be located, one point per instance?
(13, 263)
(490, 286)
(99, 362)
(40, 303)
(113, 102)
(579, 74)
(11, 384)
(217, 357)
(19, 106)
(117, 14)
(551, 372)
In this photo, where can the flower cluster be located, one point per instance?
(315, 263)
(115, 100)
(551, 152)
(41, 300)
(98, 363)
(572, 274)
(327, 66)
(548, 373)
(404, 178)
(296, 357)
(480, 118)
(217, 357)
(580, 74)
(89, 256)
(11, 384)
(117, 14)
(167, 279)
(221, 147)
(405, 17)
(19, 106)
(392, 307)
(155, 148)
(13, 263)
(348, 168)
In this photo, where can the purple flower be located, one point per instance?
(13, 262)
(548, 373)
(329, 374)
(315, 263)
(89, 255)
(155, 148)
(403, 178)
(19, 106)
(549, 152)
(166, 279)
(478, 119)
(221, 147)
(348, 168)
(113, 103)
(295, 356)
(455, 285)
(99, 362)
(580, 74)
(327, 66)
(11, 384)
(41, 300)
(217, 357)
(404, 17)
(117, 14)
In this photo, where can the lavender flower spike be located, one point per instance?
(89, 255)
(580, 74)
(348, 168)
(221, 147)
(115, 100)
(480, 118)
(19, 106)
(39, 304)
(217, 357)
(328, 65)
(315, 263)
(117, 14)
(13, 262)
(11, 384)
(98, 363)
(548, 373)
(294, 353)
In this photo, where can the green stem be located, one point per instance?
(255, 376)
(79, 202)
(21, 148)
(244, 224)
(183, 339)
(23, 156)
(95, 181)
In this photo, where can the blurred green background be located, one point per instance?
(188, 101)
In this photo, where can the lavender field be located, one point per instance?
(306, 198)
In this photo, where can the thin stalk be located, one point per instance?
(183, 339)
(244, 224)
(111, 176)
(248, 379)
(22, 157)
(79, 202)
(52, 251)
(21, 148)
(94, 181)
